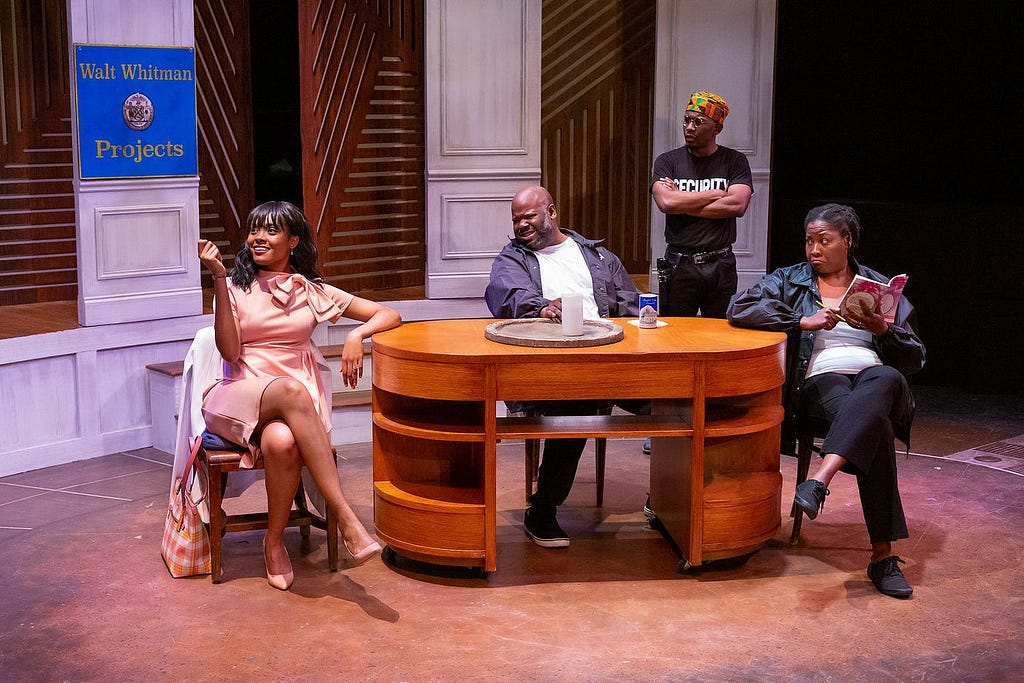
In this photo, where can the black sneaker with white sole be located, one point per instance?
(544, 530)
(648, 510)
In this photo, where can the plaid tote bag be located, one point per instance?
(186, 545)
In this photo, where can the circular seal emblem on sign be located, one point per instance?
(137, 111)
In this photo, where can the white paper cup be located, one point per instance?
(572, 315)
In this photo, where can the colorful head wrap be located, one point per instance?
(709, 104)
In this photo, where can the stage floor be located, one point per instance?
(86, 595)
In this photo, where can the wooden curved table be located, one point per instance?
(716, 395)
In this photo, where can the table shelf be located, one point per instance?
(740, 510)
(738, 420)
(438, 429)
(431, 497)
(588, 426)
(434, 523)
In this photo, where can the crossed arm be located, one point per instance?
(730, 203)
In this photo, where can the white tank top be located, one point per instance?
(842, 349)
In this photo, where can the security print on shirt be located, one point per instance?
(541, 264)
(702, 188)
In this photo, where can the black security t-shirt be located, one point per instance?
(720, 170)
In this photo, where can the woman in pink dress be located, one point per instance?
(272, 399)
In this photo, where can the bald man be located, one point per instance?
(540, 264)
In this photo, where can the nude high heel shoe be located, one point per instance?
(361, 557)
(281, 582)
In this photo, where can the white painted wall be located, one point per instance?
(83, 393)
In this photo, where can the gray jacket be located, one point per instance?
(783, 297)
(515, 290)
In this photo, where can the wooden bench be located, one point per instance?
(164, 399)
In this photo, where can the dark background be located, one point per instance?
(277, 145)
(910, 113)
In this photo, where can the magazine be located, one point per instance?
(884, 296)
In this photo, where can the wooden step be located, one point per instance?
(349, 398)
(339, 399)
(334, 350)
(172, 369)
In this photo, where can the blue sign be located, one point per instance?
(136, 111)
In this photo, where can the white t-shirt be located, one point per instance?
(563, 270)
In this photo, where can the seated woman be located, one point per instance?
(272, 399)
(848, 372)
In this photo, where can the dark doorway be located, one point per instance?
(277, 139)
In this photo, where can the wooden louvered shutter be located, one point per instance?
(361, 84)
(224, 112)
(38, 254)
(597, 75)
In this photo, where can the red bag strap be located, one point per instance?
(194, 444)
(192, 468)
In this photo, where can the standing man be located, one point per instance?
(702, 188)
(540, 265)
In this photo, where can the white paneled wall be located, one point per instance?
(85, 392)
(38, 402)
(483, 133)
(82, 393)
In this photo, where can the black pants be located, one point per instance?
(706, 287)
(561, 457)
(861, 411)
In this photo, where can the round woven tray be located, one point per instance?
(548, 332)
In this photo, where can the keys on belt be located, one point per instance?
(675, 257)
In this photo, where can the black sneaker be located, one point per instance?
(544, 530)
(648, 510)
(810, 496)
(888, 578)
(646, 448)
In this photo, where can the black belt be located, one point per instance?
(676, 257)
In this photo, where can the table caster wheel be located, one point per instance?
(686, 568)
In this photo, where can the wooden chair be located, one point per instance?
(532, 460)
(807, 432)
(203, 366)
(222, 461)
